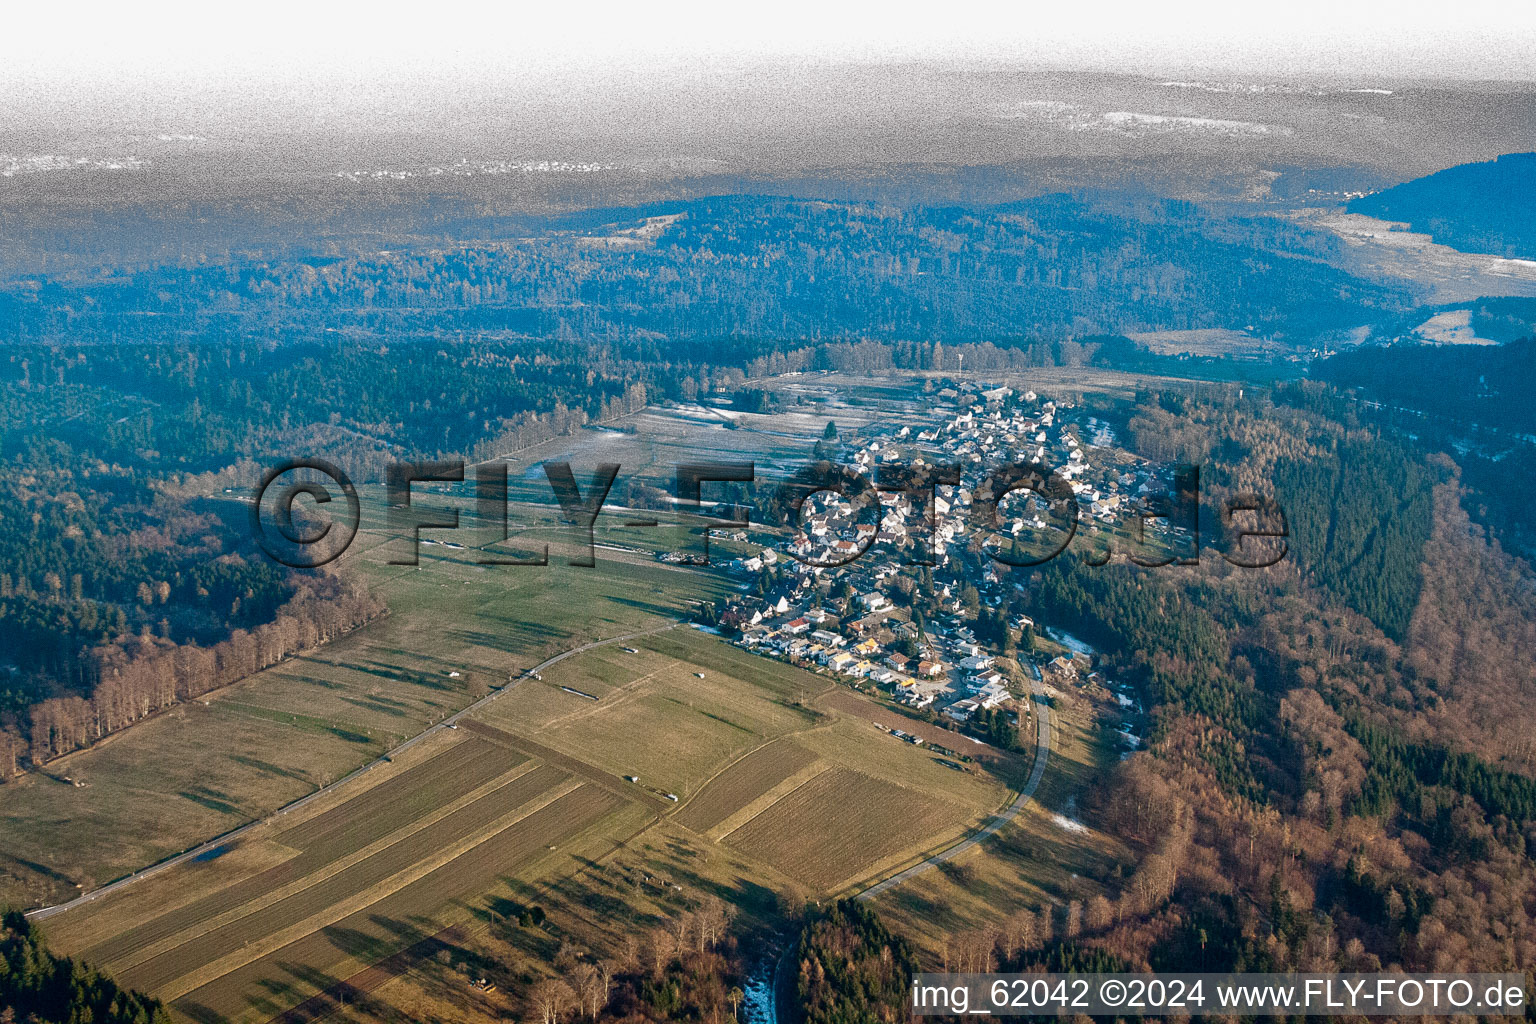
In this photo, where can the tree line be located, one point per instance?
(131, 679)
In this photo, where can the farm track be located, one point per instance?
(202, 950)
(214, 844)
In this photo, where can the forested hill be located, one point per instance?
(1486, 385)
(759, 267)
(1483, 207)
(1453, 394)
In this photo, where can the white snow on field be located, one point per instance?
(707, 412)
(1130, 122)
(1069, 824)
(1069, 117)
(1453, 327)
(1069, 641)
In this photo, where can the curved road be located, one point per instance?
(451, 722)
(1042, 755)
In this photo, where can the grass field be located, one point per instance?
(199, 770)
(840, 825)
(514, 797)
(743, 782)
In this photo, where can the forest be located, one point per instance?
(1332, 781)
(760, 267)
(1482, 207)
(37, 987)
(1477, 400)
(1489, 386)
(850, 968)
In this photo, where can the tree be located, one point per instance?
(1100, 914)
(710, 921)
(735, 995)
(10, 749)
(830, 434)
(591, 985)
(551, 998)
(46, 989)
(659, 946)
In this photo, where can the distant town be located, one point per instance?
(881, 640)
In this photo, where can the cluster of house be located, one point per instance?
(992, 427)
(842, 549)
(951, 663)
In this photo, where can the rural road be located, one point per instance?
(450, 722)
(1042, 755)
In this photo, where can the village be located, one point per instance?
(918, 607)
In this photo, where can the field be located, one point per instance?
(311, 963)
(1043, 857)
(358, 880)
(201, 769)
(622, 778)
(840, 825)
(530, 791)
(743, 782)
(330, 836)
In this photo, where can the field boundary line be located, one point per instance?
(323, 872)
(1044, 724)
(620, 695)
(785, 787)
(209, 845)
(256, 949)
(370, 978)
(574, 765)
(324, 1003)
(733, 763)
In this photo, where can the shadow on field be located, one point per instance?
(517, 638)
(351, 736)
(212, 799)
(649, 607)
(396, 674)
(198, 1012)
(268, 767)
(373, 704)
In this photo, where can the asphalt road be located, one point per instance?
(1042, 755)
(228, 837)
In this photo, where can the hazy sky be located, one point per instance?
(52, 46)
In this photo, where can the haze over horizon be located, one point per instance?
(300, 64)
